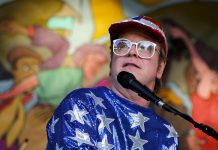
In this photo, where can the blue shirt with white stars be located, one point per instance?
(97, 118)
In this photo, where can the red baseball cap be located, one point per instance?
(143, 22)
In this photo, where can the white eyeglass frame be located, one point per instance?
(136, 44)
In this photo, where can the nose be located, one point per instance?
(133, 51)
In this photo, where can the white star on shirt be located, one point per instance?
(76, 114)
(104, 145)
(172, 147)
(98, 100)
(54, 121)
(172, 133)
(137, 141)
(81, 138)
(57, 147)
(104, 122)
(138, 120)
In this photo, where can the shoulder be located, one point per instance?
(81, 99)
(84, 95)
(166, 128)
(85, 91)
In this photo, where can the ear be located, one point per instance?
(160, 69)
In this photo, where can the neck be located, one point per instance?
(130, 95)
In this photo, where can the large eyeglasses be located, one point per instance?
(145, 49)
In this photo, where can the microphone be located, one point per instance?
(128, 81)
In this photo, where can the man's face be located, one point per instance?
(145, 70)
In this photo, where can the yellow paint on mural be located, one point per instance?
(18, 124)
(30, 12)
(104, 13)
(169, 96)
(7, 116)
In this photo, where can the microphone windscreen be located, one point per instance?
(124, 78)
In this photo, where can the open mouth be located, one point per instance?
(130, 64)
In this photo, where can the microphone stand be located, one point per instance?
(156, 100)
(127, 80)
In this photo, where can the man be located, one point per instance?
(117, 118)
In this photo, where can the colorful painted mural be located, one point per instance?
(49, 48)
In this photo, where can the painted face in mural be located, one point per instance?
(25, 67)
(207, 83)
(90, 58)
(92, 64)
(24, 62)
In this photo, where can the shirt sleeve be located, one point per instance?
(73, 124)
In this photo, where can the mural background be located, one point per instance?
(49, 48)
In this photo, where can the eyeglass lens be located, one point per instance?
(145, 49)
